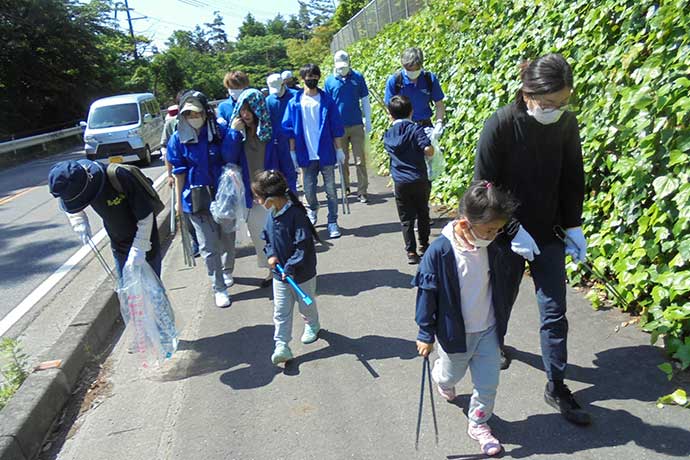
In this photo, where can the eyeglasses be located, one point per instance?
(548, 105)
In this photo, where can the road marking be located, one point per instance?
(7, 199)
(32, 299)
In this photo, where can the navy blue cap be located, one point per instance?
(76, 183)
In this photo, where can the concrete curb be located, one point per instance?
(27, 419)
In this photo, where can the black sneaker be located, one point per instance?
(422, 249)
(505, 358)
(562, 399)
(412, 258)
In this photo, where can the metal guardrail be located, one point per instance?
(372, 18)
(41, 139)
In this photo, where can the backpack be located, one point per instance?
(147, 184)
(399, 81)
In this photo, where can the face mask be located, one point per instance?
(312, 83)
(196, 123)
(281, 91)
(235, 93)
(545, 116)
(479, 242)
(343, 71)
(413, 74)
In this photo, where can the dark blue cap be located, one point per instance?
(76, 183)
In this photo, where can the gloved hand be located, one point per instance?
(340, 156)
(293, 155)
(437, 131)
(575, 244)
(135, 257)
(80, 225)
(524, 245)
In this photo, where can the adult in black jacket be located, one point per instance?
(532, 148)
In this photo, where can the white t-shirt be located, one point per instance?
(475, 288)
(311, 118)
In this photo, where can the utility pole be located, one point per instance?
(131, 30)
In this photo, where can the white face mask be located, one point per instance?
(281, 91)
(235, 93)
(196, 123)
(413, 74)
(545, 116)
(479, 242)
(343, 71)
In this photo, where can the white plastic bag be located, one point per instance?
(145, 308)
(435, 165)
(229, 204)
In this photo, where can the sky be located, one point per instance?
(161, 17)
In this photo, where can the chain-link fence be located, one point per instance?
(373, 18)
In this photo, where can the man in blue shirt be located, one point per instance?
(422, 87)
(349, 90)
(235, 82)
(276, 102)
(315, 130)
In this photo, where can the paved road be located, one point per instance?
(354, 393)
(35, 238)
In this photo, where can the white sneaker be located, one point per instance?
(333, 230)
(228, 279)
(222, 299)
(312, 216)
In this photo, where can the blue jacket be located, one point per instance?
(288, 237)
(225, 109)
(330, 128)
(233, 152)
(201, 163)
(438, 312)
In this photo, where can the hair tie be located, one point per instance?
(488, 185)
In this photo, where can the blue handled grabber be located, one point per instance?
(303, 295)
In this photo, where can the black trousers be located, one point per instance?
(412, 201)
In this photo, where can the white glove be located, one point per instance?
(437, 131)
(135, 257)
(575, 244)
(293, 155)
(524, 245)
(340, 156)
(80, 225)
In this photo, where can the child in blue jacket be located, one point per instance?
(289, 237)
(459, 304)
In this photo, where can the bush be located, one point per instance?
(14, 369)
(631, 60)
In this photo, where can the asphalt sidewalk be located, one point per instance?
(354, 393)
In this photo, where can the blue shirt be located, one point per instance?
(419, 93)
(201, 163)
(225, 109)
(276, 109)
(346, 92)
(404, 142)
(288, 237)
(331, 126)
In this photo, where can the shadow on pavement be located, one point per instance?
(368, 231)
(249, 349)
(547, 432)
(353, 283)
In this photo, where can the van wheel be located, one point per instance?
(146, 161)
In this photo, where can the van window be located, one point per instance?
(114, 115)
(154, 110)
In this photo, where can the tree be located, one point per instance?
(294, 29)
(216, 36)
(346, 10)
(277, 26)
(251, 28)
(319, 12)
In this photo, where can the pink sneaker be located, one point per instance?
(482, 433)
(448, 394)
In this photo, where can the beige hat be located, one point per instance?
(274, 82)
(341, 59)
(192, 105)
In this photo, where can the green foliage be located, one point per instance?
(631, 60)
(14, 370)
(346, 9)
(678, 397)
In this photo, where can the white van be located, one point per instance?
(123, 129)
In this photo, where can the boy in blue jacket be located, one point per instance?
(315, 130)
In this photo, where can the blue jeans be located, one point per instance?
(311, 174)
(548, 273)
(284, 299)
(484, 361)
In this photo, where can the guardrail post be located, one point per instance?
(407, 11)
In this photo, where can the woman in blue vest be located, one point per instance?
(249, 144)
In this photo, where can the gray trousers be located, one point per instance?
(284, 299)
(217, 246)
(256, 220)
(484, 360)
(354, 136)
